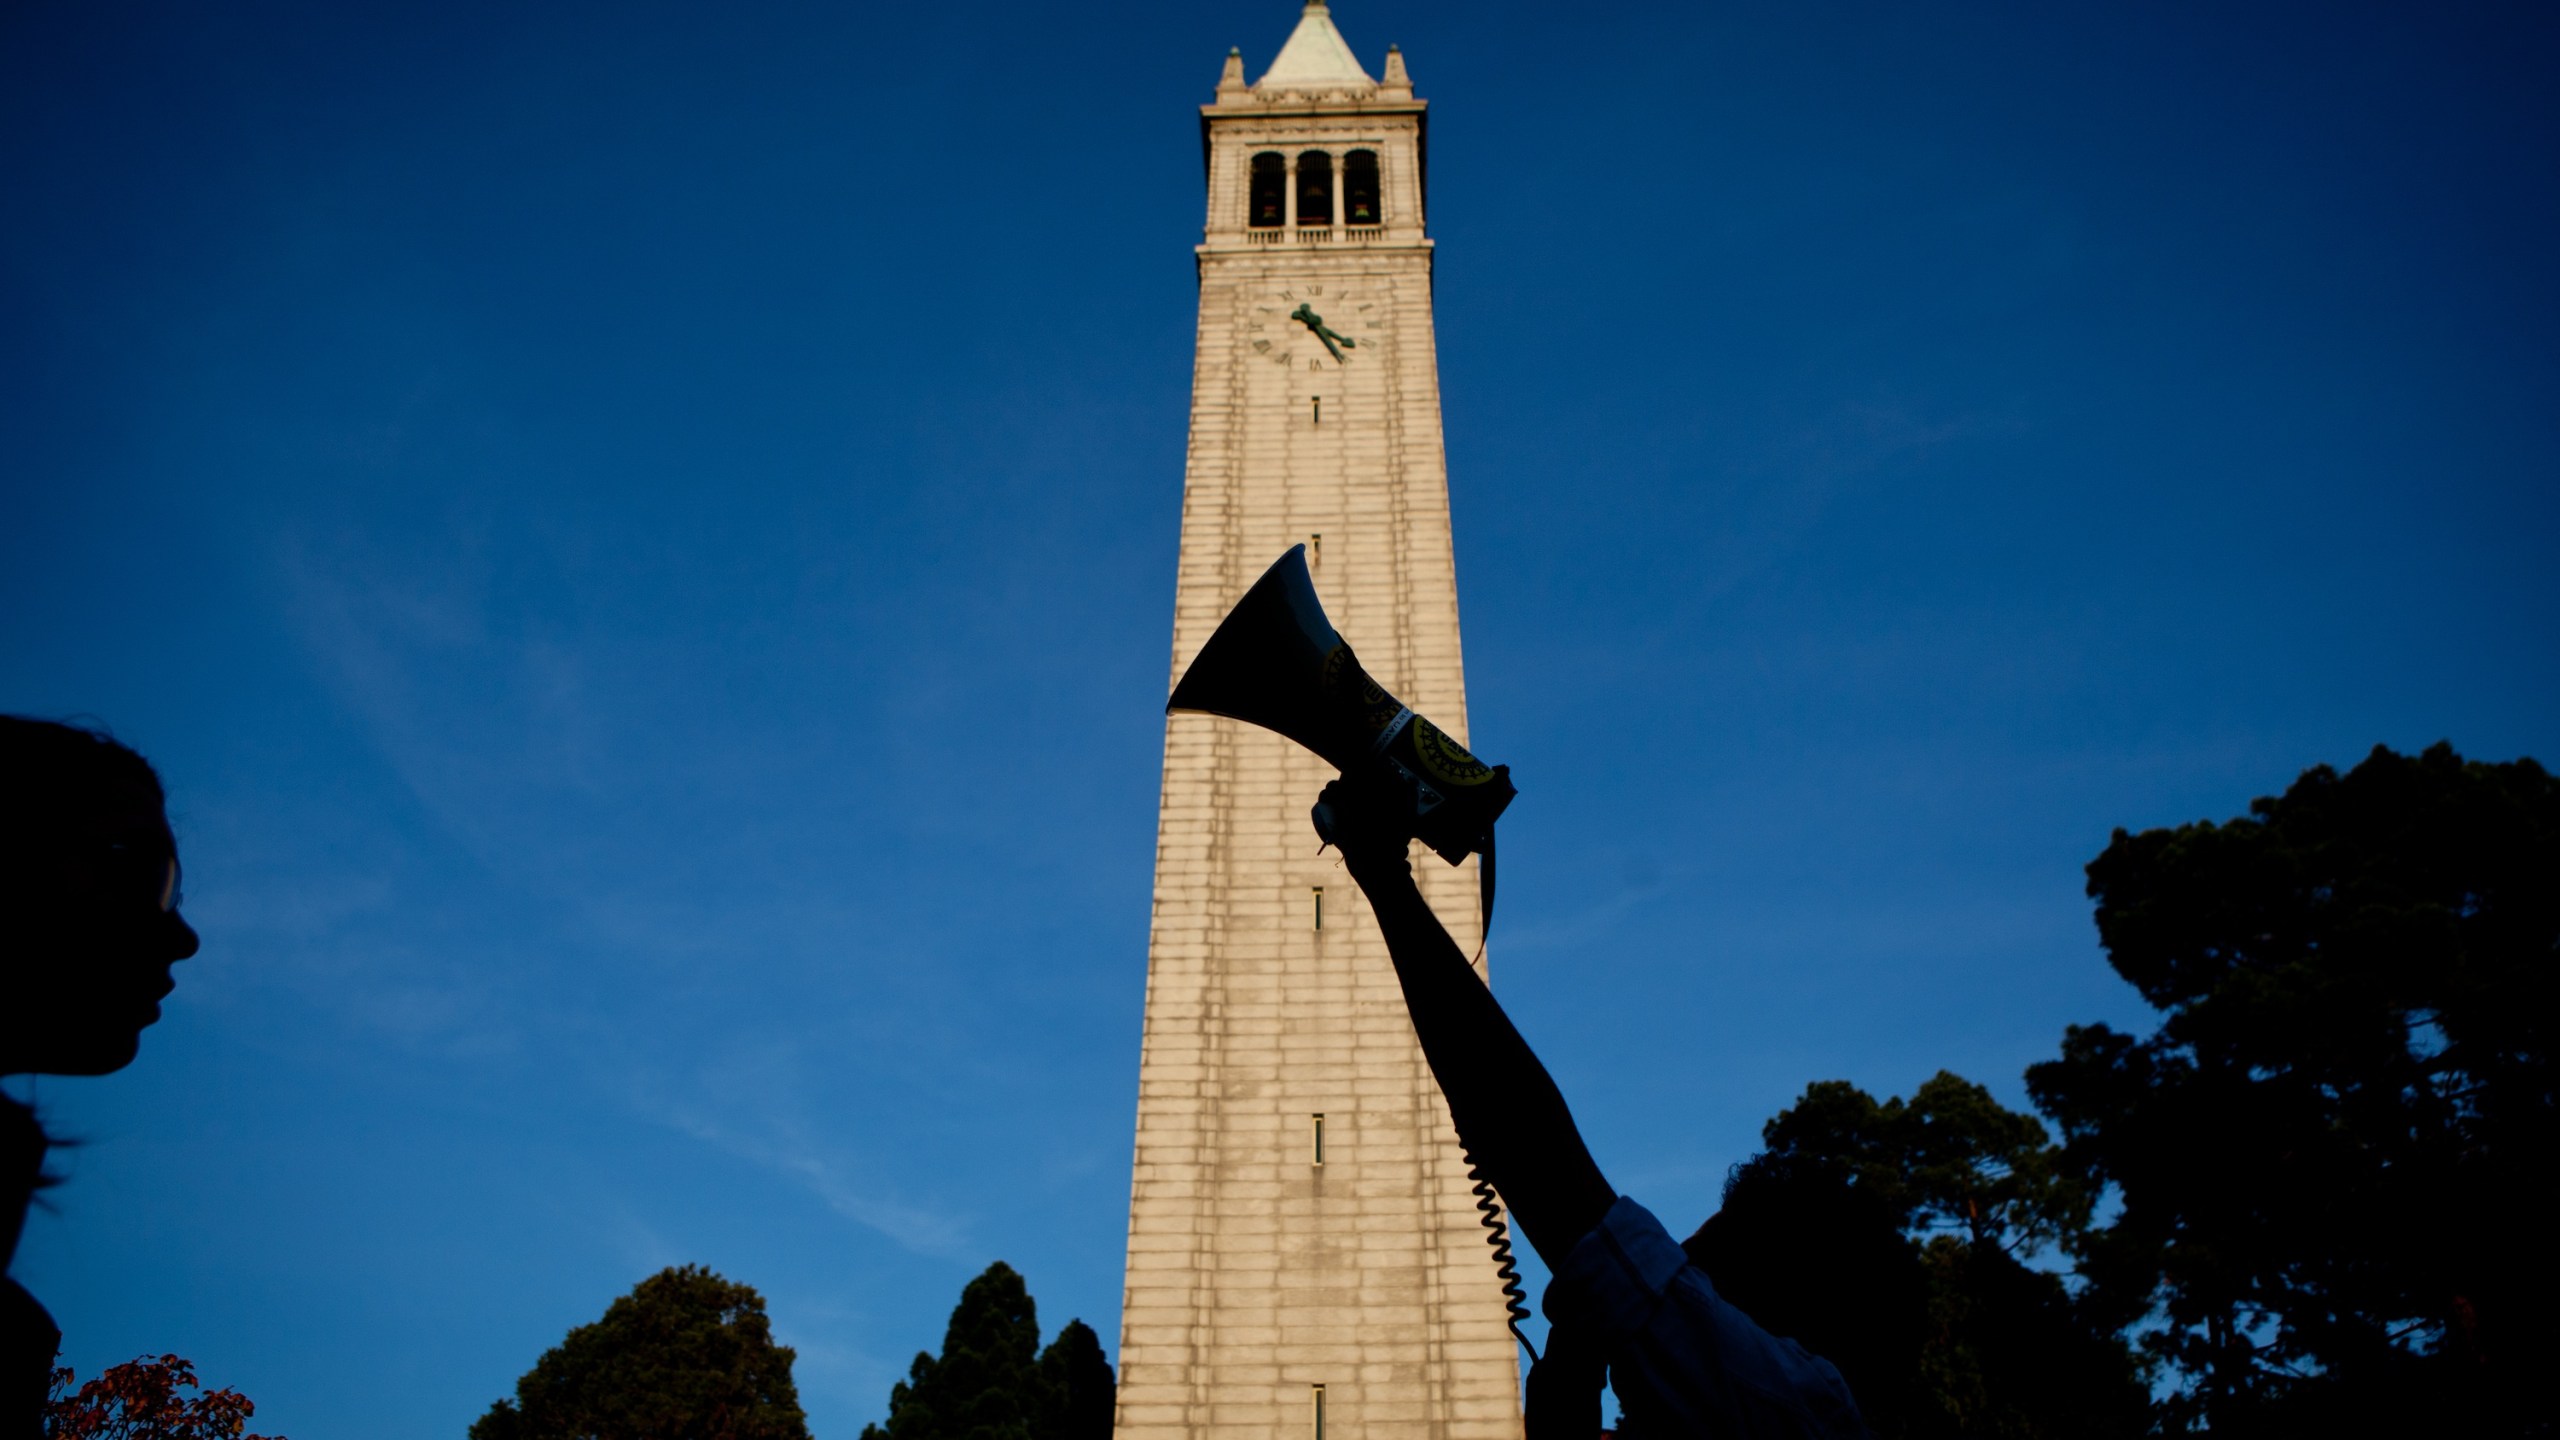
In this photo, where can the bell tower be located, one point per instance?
(1305, 1257)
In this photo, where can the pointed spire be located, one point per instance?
(1231, 86)
(1316, 59)
(1395, 84)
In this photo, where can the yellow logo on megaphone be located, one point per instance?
(1444, 759)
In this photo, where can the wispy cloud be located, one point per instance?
(747, 1105)
(913, 1227)
(474, 720)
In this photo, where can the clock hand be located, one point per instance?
(1334, 342)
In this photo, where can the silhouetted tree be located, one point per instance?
(993, 1382)
(2332, 1152)
(686, 1353)
(140, 1400)
(2013, 1352)
(1950, 1160)
(1080, 1384)
(1886, 1236)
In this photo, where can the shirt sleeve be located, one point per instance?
(1683, 1359)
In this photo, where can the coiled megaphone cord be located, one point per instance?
(1515, 1296)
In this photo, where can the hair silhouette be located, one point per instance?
(1806, 1253)
(89, 928)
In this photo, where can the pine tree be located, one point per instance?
(1888, 1237)
(2333, 1154)
(1080, 1380)
(992, 1381)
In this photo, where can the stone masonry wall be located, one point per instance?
(1256, 1274)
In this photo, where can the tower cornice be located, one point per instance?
(1213, 114)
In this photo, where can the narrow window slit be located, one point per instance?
(1319, 897)
(1319, 1140)
(1319, 1416)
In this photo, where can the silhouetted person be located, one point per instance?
(1685, 1361)
(1808, 1254)
(89, 929)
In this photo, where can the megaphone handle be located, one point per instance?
(1322, 815)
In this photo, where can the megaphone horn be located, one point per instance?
(1277, 662)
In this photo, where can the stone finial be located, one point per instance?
(1393, 80)
(1231, 87)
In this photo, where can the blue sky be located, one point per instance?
(642, 539)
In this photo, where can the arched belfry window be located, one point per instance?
(1315, 188)
(1266, 207)
(1361, 202)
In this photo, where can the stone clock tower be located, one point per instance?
(1305, 1259)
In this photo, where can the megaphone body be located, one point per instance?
(1277, 662)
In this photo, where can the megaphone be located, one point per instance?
(1277, 662)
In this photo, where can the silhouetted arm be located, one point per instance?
(1509, 1113)
(1683, 1359)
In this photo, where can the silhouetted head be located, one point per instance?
(89, 923)
(1809, 1256)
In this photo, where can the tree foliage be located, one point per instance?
(686, 1353)
(992, 1381)
(1949, 1160)
(1888, 1237)
(141, 1400)
(2331, 1152)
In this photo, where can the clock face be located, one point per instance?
(1290, 324)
